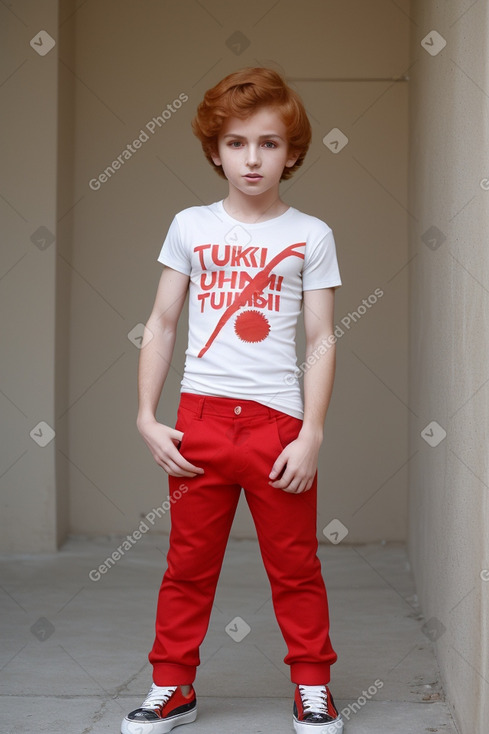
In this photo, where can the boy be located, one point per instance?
(249, 262)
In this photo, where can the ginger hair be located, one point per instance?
(242, 93)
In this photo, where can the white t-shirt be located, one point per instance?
(245, 296)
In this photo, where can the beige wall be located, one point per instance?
(121, 63)
(28, 98)
(449, 328)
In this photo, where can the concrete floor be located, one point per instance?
(73, 656)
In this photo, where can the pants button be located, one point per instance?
(237, 409)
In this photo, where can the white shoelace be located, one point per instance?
(158, 696)
(314, 699)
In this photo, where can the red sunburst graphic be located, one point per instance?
(251, 326)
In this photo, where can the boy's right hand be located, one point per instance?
(162, 442)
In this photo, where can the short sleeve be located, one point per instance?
(174, 253)
(321, 265)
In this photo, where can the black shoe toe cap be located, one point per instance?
(143, 715)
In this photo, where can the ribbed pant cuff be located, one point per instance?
(310, 674)
(171, 674)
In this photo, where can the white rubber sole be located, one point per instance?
(334, 727)
(157, 727)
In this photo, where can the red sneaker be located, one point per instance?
(315, 712)
(163, 708)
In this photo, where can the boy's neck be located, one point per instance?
(254, 208)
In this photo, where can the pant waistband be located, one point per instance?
(227, 407)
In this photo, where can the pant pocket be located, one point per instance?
(185, 418)
(288, 428)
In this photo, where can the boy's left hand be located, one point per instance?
(295, 468)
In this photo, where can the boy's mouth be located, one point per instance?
(253, 175)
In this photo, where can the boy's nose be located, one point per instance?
(253, 157)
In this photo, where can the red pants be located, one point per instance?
(236, 442)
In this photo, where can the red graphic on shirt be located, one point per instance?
(252, 326)
(252, 290)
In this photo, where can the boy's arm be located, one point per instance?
(300, 458)
(154, 363)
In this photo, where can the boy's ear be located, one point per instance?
(215, 158)
(293, 156)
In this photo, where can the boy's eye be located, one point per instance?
(238, 144)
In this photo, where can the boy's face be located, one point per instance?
(254, 152)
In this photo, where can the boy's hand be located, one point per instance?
(295, 468)
(162, 442)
